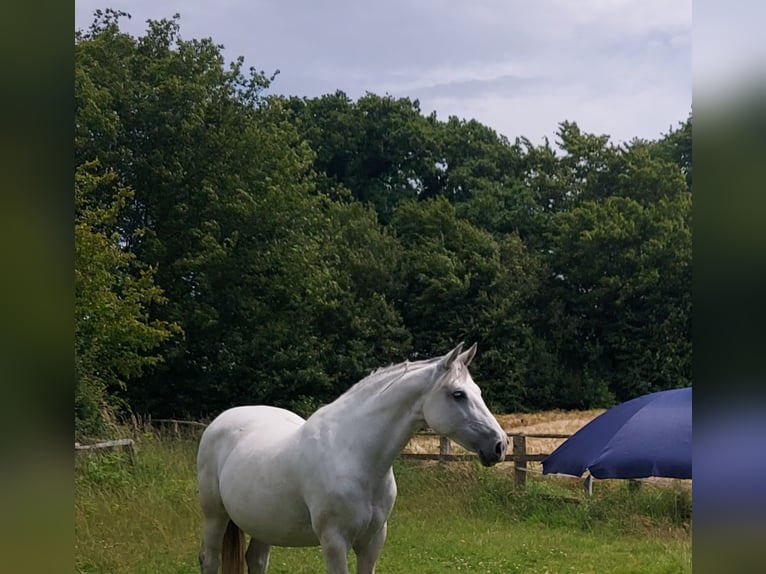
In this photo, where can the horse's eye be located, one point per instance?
(458, 395)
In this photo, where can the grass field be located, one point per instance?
(454, 518)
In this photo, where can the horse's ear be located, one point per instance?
(451, 357)
(467, 356)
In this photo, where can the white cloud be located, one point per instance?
(539, 117)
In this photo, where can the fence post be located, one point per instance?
(520, 459)
(445, 448)
(130, 448)
(588, 484)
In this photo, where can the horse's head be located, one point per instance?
(454, 408)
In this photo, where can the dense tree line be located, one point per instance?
(235, 247)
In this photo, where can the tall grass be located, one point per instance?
(448, 518)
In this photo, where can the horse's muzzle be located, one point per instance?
(490, 458)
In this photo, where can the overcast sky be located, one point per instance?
(616, 67)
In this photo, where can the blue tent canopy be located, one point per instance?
(648, 436)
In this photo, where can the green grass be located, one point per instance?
(454, 518)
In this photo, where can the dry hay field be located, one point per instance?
(546, 422)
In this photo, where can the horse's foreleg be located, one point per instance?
(257, 557)
(367, 554)
(335, 549)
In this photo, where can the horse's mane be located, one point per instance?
(390, 374)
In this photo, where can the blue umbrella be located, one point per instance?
(648, 436)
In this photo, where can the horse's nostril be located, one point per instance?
(499, 448)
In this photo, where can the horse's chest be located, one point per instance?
(361, 505)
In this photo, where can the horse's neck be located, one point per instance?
(375, 428)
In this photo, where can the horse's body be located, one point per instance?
(328, 480)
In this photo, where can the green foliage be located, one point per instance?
(461, 281)
(676, 148)
(622, 271)
(447, 265)
(615, 504)
(473, 156)
(115, 338)
(104, 471)
(379, 148)
(362, 326)
(274, 285)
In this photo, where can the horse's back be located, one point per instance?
(253, 418)
(229, 428)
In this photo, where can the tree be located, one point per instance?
(363, 326)
(472, 156)
(615, 244)
(620, 273)
(460, 283)
(676, 147)
(115, 337)
(243, 235)
(379, 148)
(223, 194)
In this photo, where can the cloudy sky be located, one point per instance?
(616, 67)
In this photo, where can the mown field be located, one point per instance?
(458, 517)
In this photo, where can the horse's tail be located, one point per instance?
(233, 551)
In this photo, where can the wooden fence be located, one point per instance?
(517, 454)
(125, 444)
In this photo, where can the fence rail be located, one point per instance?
(126, 444)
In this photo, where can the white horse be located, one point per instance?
(328, 480)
